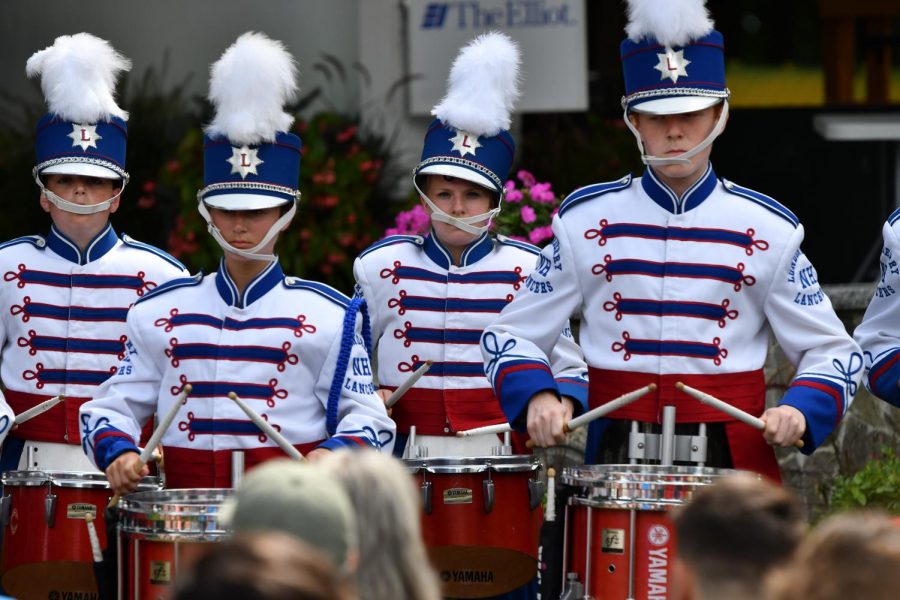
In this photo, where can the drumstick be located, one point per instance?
(37, 410)
(550, 514)
(498, 428)
(731, 411)
(404, 387)
(266, 428)
(147, 452)
(92, 535)
(603, 410)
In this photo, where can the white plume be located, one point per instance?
(671, 22)
(249, 86)
(483, 86)
(78, 77)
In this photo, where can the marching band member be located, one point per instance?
(431, 296)
(292, 349)
(879, 334)
(65, 295)
(679, 275)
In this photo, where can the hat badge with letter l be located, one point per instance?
(84, 131)
(250, 161)
(673, 60)
(469, 137)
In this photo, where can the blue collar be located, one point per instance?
(69, 250)
(669, 200)
(474, 252)
(268, 278)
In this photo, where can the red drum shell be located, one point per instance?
(598, 525)
(39, 559)
(478, 553)
(161, 533)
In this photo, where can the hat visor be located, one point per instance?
(675, 105)
(243, 201)
(84, 169)
(459, 173)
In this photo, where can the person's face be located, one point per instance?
(83, 190)
(244, 229)
(667, 136)
(458, 198)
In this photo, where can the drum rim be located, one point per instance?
(618, 474)
(516, 463)
(69, 480)
(154, 502)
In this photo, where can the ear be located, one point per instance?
(634, 118)
(114, 205)
(45, 204)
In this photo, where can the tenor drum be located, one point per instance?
(46, 545)
(481, 521)
(162, 532)
(619, 539)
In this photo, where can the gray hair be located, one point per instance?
(393, 563)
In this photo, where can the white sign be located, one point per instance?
(550, 33)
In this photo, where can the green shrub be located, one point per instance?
(877, 485)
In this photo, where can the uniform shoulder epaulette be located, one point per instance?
(392, 240)
(770, 204)
(593, 191)
(894, 216)
(37, 241)
(530, 248)
(130, 241)
(172, 284)
(326, 291)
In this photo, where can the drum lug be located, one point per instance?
(5, 509)
(426, 496)
(535, 493)
(50, 509)
(488, 487)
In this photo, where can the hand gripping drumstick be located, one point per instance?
(266, 428)
(404, 387)
(728, 409)
(147, 452)
(34, 411)
(603, 410)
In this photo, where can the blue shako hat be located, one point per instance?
(485, 160)
(673, 60)
(250, 176)
(250, 160)
(84, 132)
(469, 137)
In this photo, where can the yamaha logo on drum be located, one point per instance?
(64, 595)
(458, 496)
(467, 576)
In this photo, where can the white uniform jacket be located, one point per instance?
(879, 332)
(424, 307)
(674, 290)
(62, 328)
(290, 348)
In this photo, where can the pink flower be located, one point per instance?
(526, 178)
(539, 234)
(512, 194)
(527, 214)
(541, 192)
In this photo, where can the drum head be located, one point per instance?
(475, 464)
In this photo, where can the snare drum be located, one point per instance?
(46, 547)
(481, 521)
(619, 539)
(161, 532)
